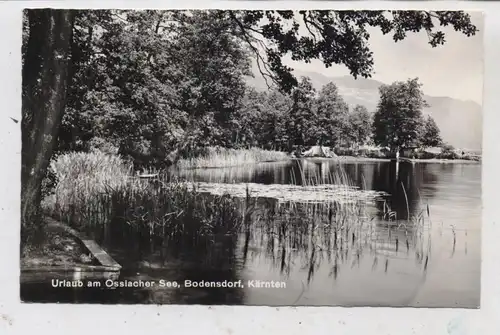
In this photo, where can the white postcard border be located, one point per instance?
(17, 318)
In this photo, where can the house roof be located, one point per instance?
(371, 148)
(433, 150)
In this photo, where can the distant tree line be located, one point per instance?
(274, 120)
(306, 117)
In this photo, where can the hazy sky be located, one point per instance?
(454, 69)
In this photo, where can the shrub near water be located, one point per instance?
(87, 174)
(82, 179)
(223, 157)
(95, 190)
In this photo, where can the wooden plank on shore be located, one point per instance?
(101, 255)
(97, 252)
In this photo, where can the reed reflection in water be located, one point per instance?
(417, 245)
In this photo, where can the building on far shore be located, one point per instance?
(409, 150)
(367, 150)
(433, 150)
(413, 150)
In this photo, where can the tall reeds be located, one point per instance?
(340, 232)
(98, 192)
(223, 157)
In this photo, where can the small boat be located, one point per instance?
(147, 175)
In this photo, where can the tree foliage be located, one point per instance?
(359, 125)
(154, 85)
(300, 121)
(273, 126)
(334, 37)
(398, 120)
(332, 116)
(152, 81)
(431, 134)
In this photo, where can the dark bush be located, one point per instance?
(345, 152)
(425, 155)
(375, 154)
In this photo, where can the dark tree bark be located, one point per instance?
(32, 64)
(45, 78)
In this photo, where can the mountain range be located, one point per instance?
(459, 121)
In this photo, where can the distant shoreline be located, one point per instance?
(441, 161)
(225, 158)
(342, 159)
(402, 160)
(345, 159)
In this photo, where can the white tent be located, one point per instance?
(319, 151)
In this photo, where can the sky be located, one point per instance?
(454, 69)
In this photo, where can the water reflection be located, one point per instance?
(325, 255)
(307, 245)
(403, 181)
(388, 258)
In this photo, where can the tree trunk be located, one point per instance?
(48, 60)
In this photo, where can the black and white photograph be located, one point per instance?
(252, 157)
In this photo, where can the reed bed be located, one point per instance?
(98, 192)
(339, 233)
(307, 235)
(222, 157)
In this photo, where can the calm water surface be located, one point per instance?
(438, 268)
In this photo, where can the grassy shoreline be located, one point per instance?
(402, 160)
(222, 157)
(441, 161)
(216, 157)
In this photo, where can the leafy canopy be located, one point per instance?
(359, 125)
(332, 116)
(398, 120)
(334, 37)
(431, 134)
(154, 82)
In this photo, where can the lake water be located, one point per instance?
(439, 266)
